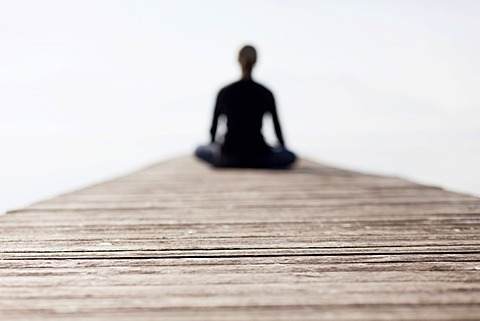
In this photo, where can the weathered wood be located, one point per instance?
(182, 241)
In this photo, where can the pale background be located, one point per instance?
(90, 90)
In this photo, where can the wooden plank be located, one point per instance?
(182, 241)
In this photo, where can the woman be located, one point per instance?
(244, 103)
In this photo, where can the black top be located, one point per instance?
(244, 103)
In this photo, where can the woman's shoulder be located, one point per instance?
(246, 85)
(262, 87)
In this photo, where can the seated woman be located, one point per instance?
(244, 103)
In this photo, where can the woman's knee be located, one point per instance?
(286, 156)
(209, 153)
(200, 152)
(290, 156)
(204, 153)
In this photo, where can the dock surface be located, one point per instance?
(182, 241)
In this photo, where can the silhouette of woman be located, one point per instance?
(244, 104)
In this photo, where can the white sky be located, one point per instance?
(345, 73)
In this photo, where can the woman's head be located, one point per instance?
(247, 57)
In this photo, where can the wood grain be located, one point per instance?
(182, 241)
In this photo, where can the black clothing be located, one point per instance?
(278, 157)
(244, 103)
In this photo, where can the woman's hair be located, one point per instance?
(247, 57)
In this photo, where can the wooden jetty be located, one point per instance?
(182, 241)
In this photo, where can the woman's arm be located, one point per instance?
(216, 114)
(276, 123)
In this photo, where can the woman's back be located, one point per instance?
(244, 104)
